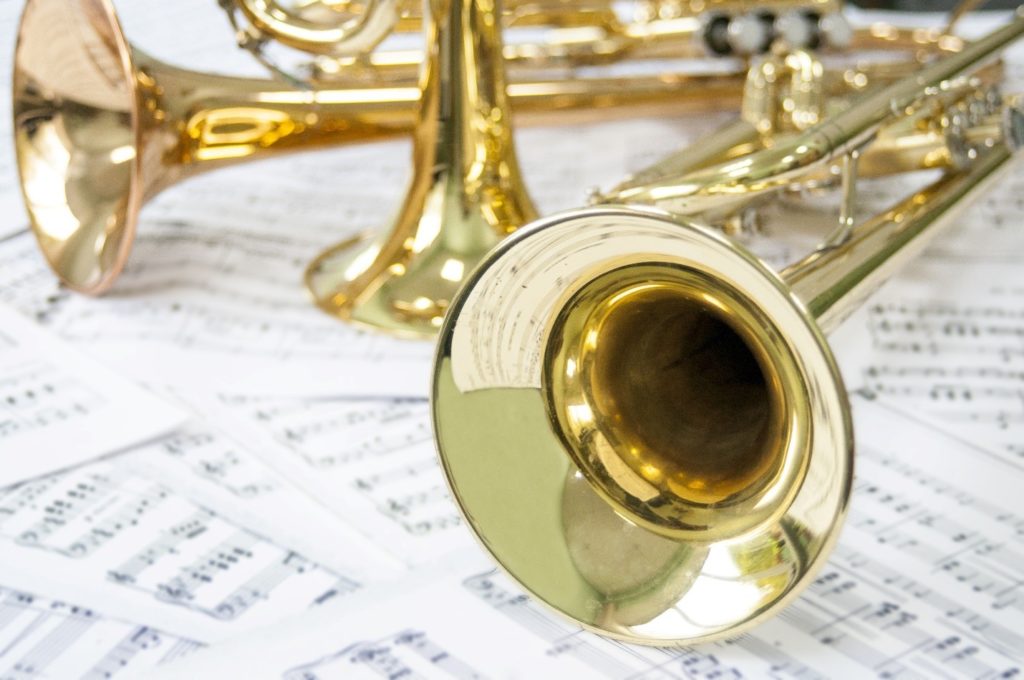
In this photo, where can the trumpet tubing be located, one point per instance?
(93, 148)
(673, 434)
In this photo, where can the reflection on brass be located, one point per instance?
(638, 352)
(603, 547)
(663, 392)
(466, 193)
(100, 127)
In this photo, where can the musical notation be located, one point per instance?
(51, 395)
(44, 638)
(402, 655)
(204, 532)
(35, 395)
(215, 470)
(922, 585)
(136, 547)
(381, 453)
(224, 302)
(951, 352)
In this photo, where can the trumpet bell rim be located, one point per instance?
(540, 516)
(78, 148)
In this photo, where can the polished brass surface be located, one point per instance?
(570, 51)
(598, 542)
(640, 420)
(466, 193)
(652, 364)
(92, 148)
(94, 143)
(335, 28)
(574, 33)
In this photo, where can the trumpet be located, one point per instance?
(93, 148)
(559, 35)
(644, 423)
(466, 193)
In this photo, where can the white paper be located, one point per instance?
(924, 583)
(955, 353)
(45, 638)
(59, 407)
(373, 463)
(215, 470)
(108, 538)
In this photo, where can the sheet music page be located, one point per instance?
(924, 583)
(952, 352)
(212, 468)
(40, 637)
(373, 463)
(109, 538)
(56, 401)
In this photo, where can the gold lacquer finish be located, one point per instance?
(641, 421)
(95, 143)
(466, 192)
(703, 514)
(663, 393)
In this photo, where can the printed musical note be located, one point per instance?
(51, 395)
(45, 638)
(380, 454)
(951, 352)
(213, 469)
(138, 549)
(922, 584)
(402, 655)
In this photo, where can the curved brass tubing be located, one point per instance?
(641, 421)
(100, 127)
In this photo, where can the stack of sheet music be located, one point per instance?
(205, 477)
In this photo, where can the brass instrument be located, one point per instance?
(92, 147)
(641, 421)
(574, 33)
(466, 193)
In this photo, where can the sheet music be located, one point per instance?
(924, 583)
(113, 540)
(953, 352)
(371, 462)
(44, 638)
(213, 469)
(52, 396)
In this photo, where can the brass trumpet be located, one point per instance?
(466, 193)
(92, 147)
(641, 421)
(574, 34)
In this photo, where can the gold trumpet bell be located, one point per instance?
(77, 138)
(678, 376)
(466, 193)
(100, 128)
